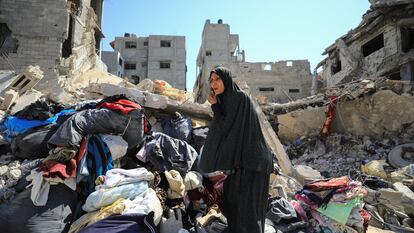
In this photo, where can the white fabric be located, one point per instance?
(41, 186)
(141, 155)
(144, 204)
(117, 145)
(40, 190)
(193, 180)
(119, 176)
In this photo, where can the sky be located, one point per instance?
(269, 30)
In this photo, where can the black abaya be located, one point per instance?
(235, 144)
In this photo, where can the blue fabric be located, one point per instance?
(15, 126)
(96, 162)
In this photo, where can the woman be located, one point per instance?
(236, 146)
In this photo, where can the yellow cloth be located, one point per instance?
(177, 187)
(92, 217)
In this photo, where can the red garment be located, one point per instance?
(53, 169)
(82, 150)
(322, 185)
(299, 209)
(367, 217)
(123, 105)
(330, 117)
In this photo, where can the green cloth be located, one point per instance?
(339, 211)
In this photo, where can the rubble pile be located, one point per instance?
(133, 152)
(340, 154)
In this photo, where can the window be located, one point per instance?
(130, 44)
(165, 43)
(130, 66)
(373, 45)
(336, 65)
(134, 79)
(266, 89)
(208, 53)
(407, 39)
(145, 43)
(144, 64)
(294, 90)
(120, 61)
(7, 43)
(267, 67)
(165, 65)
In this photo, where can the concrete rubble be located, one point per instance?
(371, 128)
(343, 158)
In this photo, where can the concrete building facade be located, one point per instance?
(280, 81)
(382, 45)
(115, 68)
(154, 57)
(61, 36)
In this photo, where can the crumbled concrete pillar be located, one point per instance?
(27, 80)
(9, 98)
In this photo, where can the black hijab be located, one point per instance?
(235, 139)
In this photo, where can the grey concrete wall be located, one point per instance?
(111, 60)
(152, 54)
(176, 54)
(382, 114)
(41, 27)
(224, 48)
(370, 65)
(283, 77)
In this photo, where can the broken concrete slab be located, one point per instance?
(9, 98)
(408, 195)
(27, 80)
(6, 78)
(383, 113)
(154, 101)
(305, 174)
(28, 98)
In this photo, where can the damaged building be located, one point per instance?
(115, 156)
(280, 81)
(154, 57)
(62, 37)
(381, 45)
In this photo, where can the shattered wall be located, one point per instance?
(41, 28)
(114, 61)
(382, 114)
(382, 45)
(280, 82)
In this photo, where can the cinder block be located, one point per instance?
(9, 98)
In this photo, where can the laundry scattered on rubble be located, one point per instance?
(119, 161)
(100, 154)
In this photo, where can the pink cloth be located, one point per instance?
(299, 209)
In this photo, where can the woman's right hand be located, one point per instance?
(212, 99)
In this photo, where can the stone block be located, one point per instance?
(305, 174)
(9, 98)
(25, 100)
(27, 80)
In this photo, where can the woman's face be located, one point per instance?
(216, 84)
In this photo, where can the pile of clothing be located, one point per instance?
(101, 167)
(329, 205)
